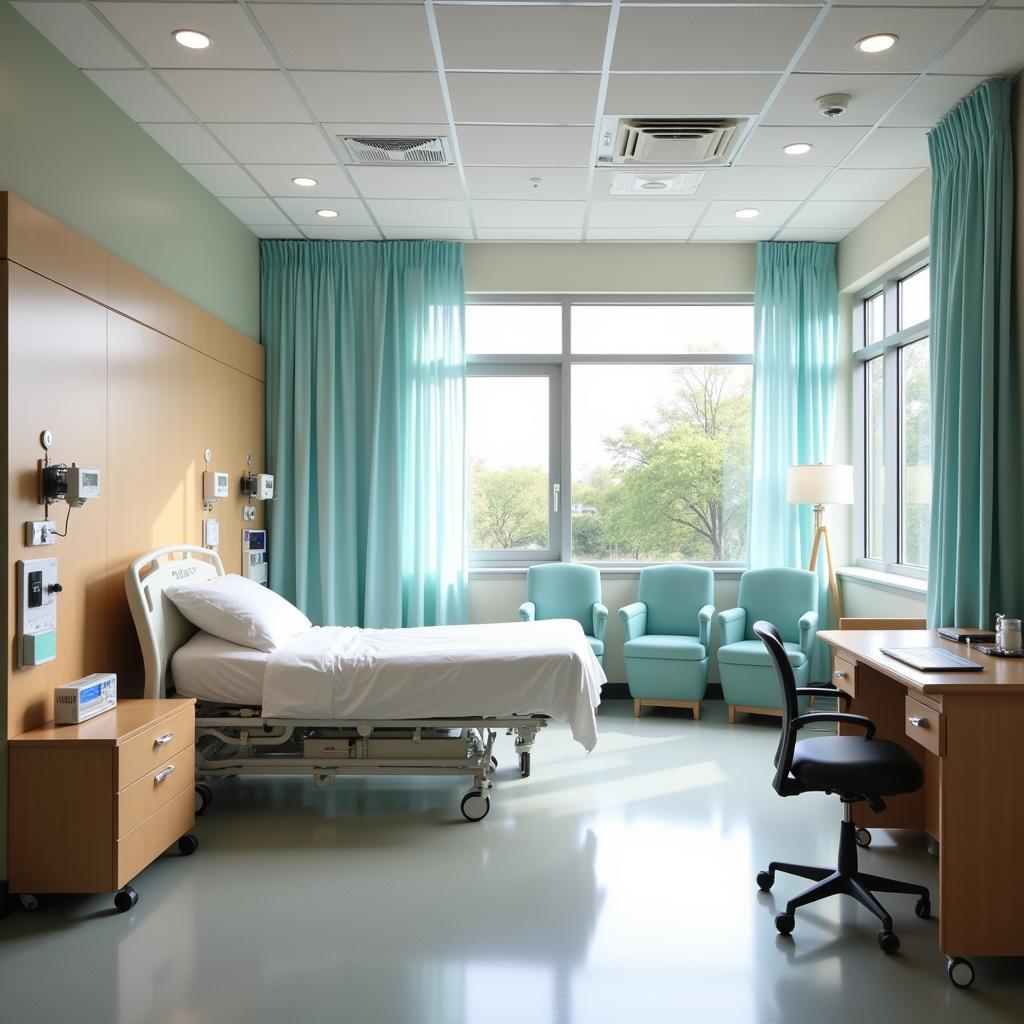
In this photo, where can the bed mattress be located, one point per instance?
(212, 669)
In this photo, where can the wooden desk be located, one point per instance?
(967, 731)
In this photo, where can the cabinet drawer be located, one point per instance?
(926, 726)
(151, 837)
(154, 789)
(155, 746)
(844, 677)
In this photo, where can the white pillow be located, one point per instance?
(239, 611)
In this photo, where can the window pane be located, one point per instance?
(661, 330)
(874, 318)
(913, 292)
(513, 330)
(508, 454)
(874, 461)
(660, 462)
(915, 453)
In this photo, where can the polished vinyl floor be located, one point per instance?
(612, 887)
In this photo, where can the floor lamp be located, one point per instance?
(818, 486)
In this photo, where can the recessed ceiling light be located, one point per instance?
(877, 43)
(191, 38)
(327, 213)
(304, 182)
(797, 148)
(747, 213)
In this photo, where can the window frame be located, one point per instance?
(560, 535)
(888, 348)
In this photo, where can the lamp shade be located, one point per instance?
(820, 485)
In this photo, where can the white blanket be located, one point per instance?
(493, 670)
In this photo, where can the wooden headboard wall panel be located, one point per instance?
(133, 379)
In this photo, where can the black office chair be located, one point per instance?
(855, 769)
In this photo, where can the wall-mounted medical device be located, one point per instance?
(59, 482)
(37, 611)
(259, 486)
(255, 564)
(211, 534)
(85, 698)
(215, 486)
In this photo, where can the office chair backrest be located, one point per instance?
(565, 591)
(780, 596)
(674, 594)
(783, 784)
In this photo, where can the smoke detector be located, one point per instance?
(835, 104)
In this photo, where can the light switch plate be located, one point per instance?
(211, 533)
(40, 533)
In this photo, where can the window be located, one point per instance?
(894, 413)
(646, 405)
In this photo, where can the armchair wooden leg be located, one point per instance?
(637, 705)
(732, 715)
(696, 710)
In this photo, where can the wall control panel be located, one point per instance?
(211, 534)
(37, 611)
(255, 564)
(215, 486)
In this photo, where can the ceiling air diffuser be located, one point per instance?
(397, 151)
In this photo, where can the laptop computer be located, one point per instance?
(962, 634)
(932, 659)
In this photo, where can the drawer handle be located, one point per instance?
(840, 675)
(917, 720)
(161, 740)
(160, 776)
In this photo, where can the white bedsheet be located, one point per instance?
(209, 668)
(492, 670)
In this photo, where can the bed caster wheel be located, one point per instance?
(888, 942)
(187, 845)
(863, 837)
(960, 971)
(784, 923)
(29, 902)
(204, 797)
(524, 764)
(923, 907)
(475, 805)
(765, 880)
(125, 899)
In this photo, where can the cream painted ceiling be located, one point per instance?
(518, 88)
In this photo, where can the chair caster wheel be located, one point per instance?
(765, 880)
(863, 837)
(960, 971)
(29, 902)
(524, 764)
(784, 923)
(888, 942)
(923, 907)
(204, 797)
(475, 805)
(187, 845)
(125, 899)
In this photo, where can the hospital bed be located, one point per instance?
(399, 704)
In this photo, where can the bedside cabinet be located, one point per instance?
(93, 804)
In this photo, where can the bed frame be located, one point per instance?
(233, 740)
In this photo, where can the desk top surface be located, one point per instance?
(1000, 675)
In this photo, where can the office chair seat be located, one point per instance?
(851, 764)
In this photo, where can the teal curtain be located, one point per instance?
(796, 353)
(975, 553)
(365, 429)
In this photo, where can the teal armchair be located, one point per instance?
(565, 591)
(668, 637)
(788, 598)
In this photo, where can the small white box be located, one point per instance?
(215, 486)
(85, 698)
(264, 487)
(83, 484)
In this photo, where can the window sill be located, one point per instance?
(890, 581)
(627, 572)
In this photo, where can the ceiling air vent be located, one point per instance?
(670, 141)
(402, 151)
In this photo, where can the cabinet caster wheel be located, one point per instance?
(784, 923)
(888, 942)
(494, 762)
(187, 845)
(204, 797)
(524, 764)
(29, 902)
(475, 805)
(765, 880)
(923, 907)
(960, 971)
(125, 899)
(863, 837)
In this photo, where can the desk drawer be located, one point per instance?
(151, 837)
(154, 747)
(926, 726)
(844, 677)
(154, 789)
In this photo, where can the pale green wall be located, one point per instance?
(68, 150)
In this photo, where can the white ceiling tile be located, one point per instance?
(408, 182)
(723, 213)
(833, 214)
(688, 94)
(526, 99)
(372, 96)
(922, 35)
(533, 146)
(351, 212)
(912, 3)
(812, 234)
(676, 234)
(831, 143)
(277, 179)
(870, 97)
(707, 189)
(627, 212)
(530, 234)
(336, 128)
(892, 147)
(514, 182)
(496, 213)
(994, 45)
(349, 37)
(425, 213)
(523, 37)
(867, 184)
(269, 143)
(188, 143)
(367, 233)
(141, 95)
(224, 179)
(78, 34)
(732, 233)
(770, 182)
(428, 234)
(933, 97)
(718, 38)
(275, 231)
(149, 27)
(237, 95)
(255, 211)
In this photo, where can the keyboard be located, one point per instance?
(932, 659)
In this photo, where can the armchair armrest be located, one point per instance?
(822, 691)
(808, 631)
(836, 716)
(704, 617)
(634, 619)
(732, 624)
(600, 621)
(527, 611)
